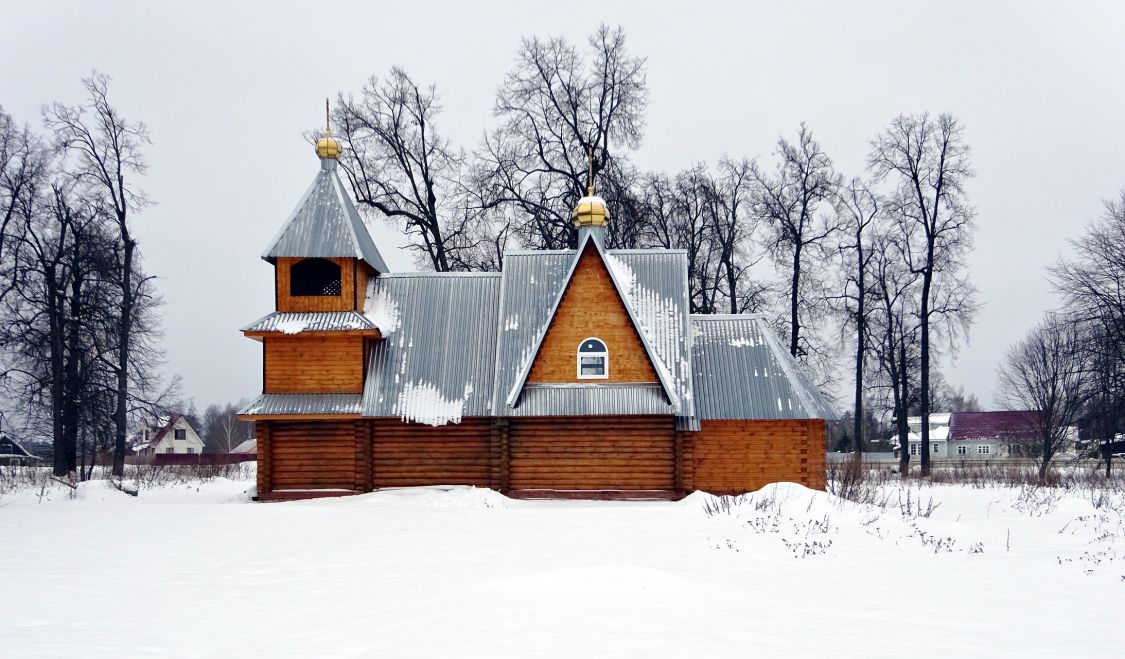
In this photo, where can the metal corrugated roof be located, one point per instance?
(654, 286)
(530, 283)
(436, 361)
(623, 281)
(742, 372)
(305, 404)
(324, 224)
(310, 321)
(657, 291)
(572, 399)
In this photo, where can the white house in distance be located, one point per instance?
(176, 436)
(981, 435)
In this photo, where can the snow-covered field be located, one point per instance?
(195, 570)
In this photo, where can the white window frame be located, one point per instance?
(169, 450)
(913, 448)
(984, 449)
(604, 355)
(962, 450)
(934, 446)
(191, 450)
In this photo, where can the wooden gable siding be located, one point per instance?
(307, 455)
(731, 457)
(313, 364)
(405, 454)
(350, 297)
(591, 307)
(592, 453)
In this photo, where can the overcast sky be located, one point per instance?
(228, 88)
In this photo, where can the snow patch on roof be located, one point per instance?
(422, 402)
(291, 326)
(381, 309)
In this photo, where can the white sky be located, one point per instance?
(228, 88)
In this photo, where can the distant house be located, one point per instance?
(14, 455)
(977, 435)
(175, 436)
(248, 446)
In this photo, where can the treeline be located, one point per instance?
(78, 326)
(1071, 366)
(874, 260)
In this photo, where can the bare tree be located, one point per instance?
(786, 203)
(554, 107)
(927, 161)
(857, 209)
(1045, 373)
(894, 330)
(400, 165)
(1092, 283)
(105, 153)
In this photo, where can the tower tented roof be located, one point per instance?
(325, 224)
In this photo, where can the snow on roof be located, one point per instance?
(248, 446)
(289, 322)
(269, 404)
(742, 372)
(164, 424)
(653, 287)
(436, 366)
(19, 450)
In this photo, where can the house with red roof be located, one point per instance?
(174, 436)
(976, 435)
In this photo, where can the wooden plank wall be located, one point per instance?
(731, 457)
(591, 307)
(313, 364)
(310, 455)
(592, 453)
(411, 454)
(345, 301)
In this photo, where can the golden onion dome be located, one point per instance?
(591, 211)
(328, 147)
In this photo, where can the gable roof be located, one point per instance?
(19, 450)
(158, 435)
(741, 371)
(617, 272)
(325, 224)
(992, 425)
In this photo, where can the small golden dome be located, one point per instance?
(328, 147)
(591, 211)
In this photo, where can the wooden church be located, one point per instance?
(570, 373)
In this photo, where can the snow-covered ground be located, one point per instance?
(195, 570)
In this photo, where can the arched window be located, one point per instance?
(593, 360)
(314, 277)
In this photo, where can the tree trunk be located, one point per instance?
(794, 294)
(901, 405)
(124, 329)
(861, 343)
(924, 398)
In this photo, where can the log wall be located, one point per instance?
(731, 457)
(309, 455)
(347, 300)
(592, 453)
(407, 454)
(313, 364)
(591, 307)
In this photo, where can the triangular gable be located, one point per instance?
(325, 224)
(661, 372)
